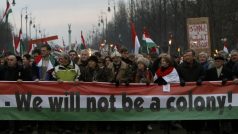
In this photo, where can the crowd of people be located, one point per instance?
(121, 68)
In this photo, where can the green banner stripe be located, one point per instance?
(119, 115)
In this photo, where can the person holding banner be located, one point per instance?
(190, 70)
(219, 72)
(45, 63)
(166, 73)
(93, 73)
(66, 70)
(11, 71)
(143, 74)
(119, 69)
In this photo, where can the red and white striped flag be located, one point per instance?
(39, 62)
(6, 10)
(135, 40)
(17, 42)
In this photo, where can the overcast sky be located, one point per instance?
(53, 16)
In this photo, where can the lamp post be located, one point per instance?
(24, 8)
(104, 24)
(26, 17)
(34, 26)
(114, 12)
(30, 23)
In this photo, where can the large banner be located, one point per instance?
(105, 102)
(199, 34)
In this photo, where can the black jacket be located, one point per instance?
(211, 74)
(189, 73)
(11, 73)
(98, 74)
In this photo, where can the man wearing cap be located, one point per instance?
(118, 68)
(92, 72)
(219, 72)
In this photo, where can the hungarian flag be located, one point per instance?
(225, 49)
(83, 44)
(135, 40)
(7, 11)
(17, 42)
(148, 43)
(39, 63)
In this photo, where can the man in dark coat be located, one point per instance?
(190, 70)
(219, 72)
(11, 71)
(93, 73)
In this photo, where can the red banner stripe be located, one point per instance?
(54, 88)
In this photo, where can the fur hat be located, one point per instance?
(219, 58)
(143, 60)
(115, 53)
(93, 58)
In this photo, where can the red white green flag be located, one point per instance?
(148, 43)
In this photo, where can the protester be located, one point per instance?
(125, 55)
(166, 73)
(119, 69)
(203, 60)
(30, 71)
(93, 73)
(143, 74)
(219, 72)
(233, 59)
(84, 55)
(73, 56)
(108, 61)
(66, 70)
(190, 70)
(45, 63)
(11, 71)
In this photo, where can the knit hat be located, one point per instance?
(143, 60)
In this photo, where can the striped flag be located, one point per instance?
(92, 101)
(17, 42)
(83, 46)
(135, 40)
(39, 63)
(7, 11)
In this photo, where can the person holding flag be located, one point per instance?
(45, 63)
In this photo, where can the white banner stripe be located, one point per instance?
(10, 100)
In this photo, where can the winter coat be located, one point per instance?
(191, 73)
(11, 73)
(211, 74)
(66, 73)
(97, 74)
(120, 73)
